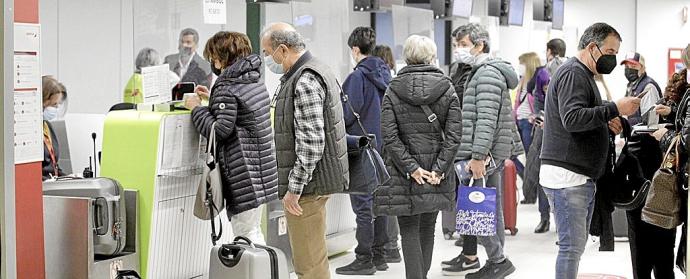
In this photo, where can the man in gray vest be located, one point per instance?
(310, 144)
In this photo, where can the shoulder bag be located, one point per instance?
(209, 196)
(662, 206)
(367, 170)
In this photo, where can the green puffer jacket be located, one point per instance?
(488, 86)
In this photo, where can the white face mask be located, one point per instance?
(521, 70)
(464, 55)
(273, 66)
(353, 61)
(50, 113)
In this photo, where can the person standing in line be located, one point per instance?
(364, 88)
(310, 143)
(459, 72)
(392, 249)
(187, 63)
(239, 108)
(576, 140)
(488, 129)
(555, 57)
(420, 125)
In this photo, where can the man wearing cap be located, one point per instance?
(640, 85)
(657, 255)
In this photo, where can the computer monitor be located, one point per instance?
(462, 8)
(64, 160)
(558, 12)
(516, 12)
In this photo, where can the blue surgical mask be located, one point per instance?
(50, 113)
(273, 66)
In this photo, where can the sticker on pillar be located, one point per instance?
(282, 225)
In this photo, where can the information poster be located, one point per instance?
(28, 107)
(156, 84)
(215, 12)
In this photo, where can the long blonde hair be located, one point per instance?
(531, 62)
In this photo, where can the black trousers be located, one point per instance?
(417, 233)
(651, 248)
(372, 233)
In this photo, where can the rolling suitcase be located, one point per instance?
(109, 217)
(510, 197)
(242, 259)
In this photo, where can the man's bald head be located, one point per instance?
(281, 33)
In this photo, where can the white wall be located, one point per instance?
(90, 45)
(660, 27)
(618, 13)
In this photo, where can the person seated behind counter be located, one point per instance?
(53, 93)
(134, 91)
(187, 63)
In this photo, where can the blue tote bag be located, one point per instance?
(476, 210)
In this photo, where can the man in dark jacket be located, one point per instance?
(459, 71)
(488, 130)
(187, 63)
(576, 140)
(365, 88)
(310, 144)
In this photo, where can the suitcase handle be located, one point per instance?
(100, 218)
(246, 240)
(230, 255)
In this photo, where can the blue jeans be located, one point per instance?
(544, 207)
(525, 129)
(371, 234)
(573, 212)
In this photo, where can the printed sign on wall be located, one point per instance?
(215, 12)
(28, 101)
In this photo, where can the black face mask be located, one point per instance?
(606, 63)
(216, 71)
(631, 74)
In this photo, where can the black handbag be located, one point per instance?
(631, 185)
(367, 170)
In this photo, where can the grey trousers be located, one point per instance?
(494, 244)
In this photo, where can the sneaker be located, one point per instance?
(456, 261)
(459, 242)
(380, 263)
(448, 235)
(357, 267)
(463, 268)
(493, 271)
(392, 256)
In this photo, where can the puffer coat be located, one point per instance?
(411, 142)
(239, 105)
(487, 122)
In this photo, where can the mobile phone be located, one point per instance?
(180, 89)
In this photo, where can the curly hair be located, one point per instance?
(676, 87)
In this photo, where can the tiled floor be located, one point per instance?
(534, 255)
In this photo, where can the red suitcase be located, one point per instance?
(510, 194)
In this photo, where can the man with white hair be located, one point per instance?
(311, 148)
(488, 134)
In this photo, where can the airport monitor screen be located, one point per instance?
(462, 8)
(558, 13)
(516, 12)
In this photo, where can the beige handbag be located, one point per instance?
(662, 207)
(209, 196)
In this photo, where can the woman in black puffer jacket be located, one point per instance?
(239, 106)
(419, 148)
